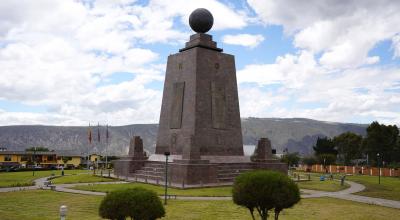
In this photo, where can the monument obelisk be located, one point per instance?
(200, 127)
(200, 107)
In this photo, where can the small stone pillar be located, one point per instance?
(136, 148)
(263, 150)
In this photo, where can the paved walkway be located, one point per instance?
(39, 183)
(347, 194)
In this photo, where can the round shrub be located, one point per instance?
(136, 203)
(265, 190)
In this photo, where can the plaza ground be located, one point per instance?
(44, 204)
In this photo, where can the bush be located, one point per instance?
(136, 203)
(291, 159)
(309, 161)
(264, 191)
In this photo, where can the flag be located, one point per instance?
(107, 135)
(98, 132)
(90, 134)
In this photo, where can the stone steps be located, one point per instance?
(151, 171)
(228, 172)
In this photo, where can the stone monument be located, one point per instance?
(263, 150)
(200, 120)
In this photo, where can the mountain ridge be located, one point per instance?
(296, 134)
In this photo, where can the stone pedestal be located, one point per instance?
(135, 160)
(193, 172)
(263, 151)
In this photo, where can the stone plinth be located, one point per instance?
(135, 160)
(136, 149)
(263, 151)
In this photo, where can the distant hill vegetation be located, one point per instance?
(296, 134)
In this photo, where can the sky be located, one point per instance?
(71, 62)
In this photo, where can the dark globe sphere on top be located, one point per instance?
(201, 20)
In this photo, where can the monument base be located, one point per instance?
(206, 172)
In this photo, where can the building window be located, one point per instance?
(50, 158)
(7, 158)
(24, 158)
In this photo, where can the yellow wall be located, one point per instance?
(14, 158)
(94, 156)
(75, 161)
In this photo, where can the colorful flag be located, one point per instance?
(98, 132)
(90, 134)
(107, 135)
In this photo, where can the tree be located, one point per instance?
(309, 161)
(349, 146)
(43, 149)
(136, 203)
(263, 191)
(287, 195)
(325, 146)
(65, 159)
(291, 159)
(381, 139)
(326, 159)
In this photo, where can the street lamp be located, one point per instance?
(167, 153)
(63, 212)
(34, 160)
(379, 168)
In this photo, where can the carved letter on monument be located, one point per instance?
(218, 105)
(177, 105)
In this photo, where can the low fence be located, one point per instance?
(371, 171)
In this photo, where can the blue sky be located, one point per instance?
(74, 62)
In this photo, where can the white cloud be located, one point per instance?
(292, 70)
(301, 81)
(246, 40)
(61, 55)
(396, 45)
(343, 32)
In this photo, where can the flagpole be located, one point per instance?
(106, 147)
(90, 143)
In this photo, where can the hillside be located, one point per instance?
(296, 134)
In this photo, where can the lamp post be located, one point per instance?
(34, 160)
(63, 212)
(166, 176)
(379, 168)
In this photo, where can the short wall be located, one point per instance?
(371, 171)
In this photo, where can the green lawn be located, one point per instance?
(314, 184)
(327, 185)
(44, 205)
(10, 179)
(81, 178)
(212, 191)
(388, 189)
